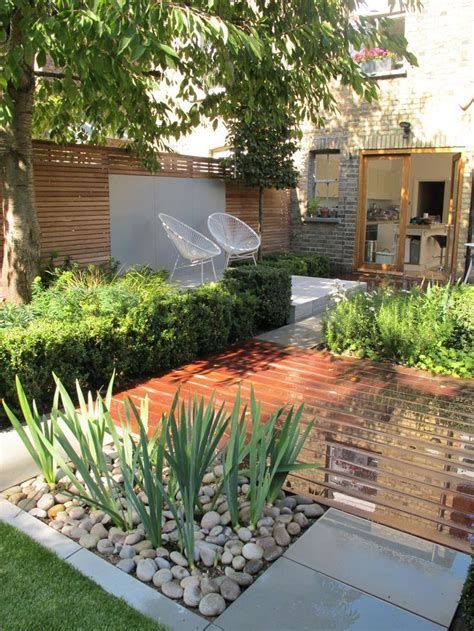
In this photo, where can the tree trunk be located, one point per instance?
(260, 219)
(21, 249)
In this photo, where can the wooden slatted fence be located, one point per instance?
(72, 198)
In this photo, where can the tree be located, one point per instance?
(145, 70)
(262, 151)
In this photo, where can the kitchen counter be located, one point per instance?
(432, 228)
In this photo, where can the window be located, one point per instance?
(325, 178)
(374, 60)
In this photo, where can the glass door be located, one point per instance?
(383, 208)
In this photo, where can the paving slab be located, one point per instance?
(311, 295)
(306, 333)
(16, 464)
(291, 596)
(412, 573)
(139, 595)
(8, 511)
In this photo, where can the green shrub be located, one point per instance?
(299, 264)
(84, 326)
(432, 329)
(271, 287)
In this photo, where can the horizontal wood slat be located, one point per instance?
(72, 198)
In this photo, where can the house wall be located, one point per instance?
(74, 204)
(436, 97)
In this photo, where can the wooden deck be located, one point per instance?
(395, 445)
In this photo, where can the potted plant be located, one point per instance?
(324, 211)
(312, 207)
(374, 60)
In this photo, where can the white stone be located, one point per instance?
(244, 534)
(162, 576)
(178, 558)
(46, 502)
(212, 605)
(146, 569)
(252, 551)
(192, 596)
(38, 512)
(172, 589)
(210, 519)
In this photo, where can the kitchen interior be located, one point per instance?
(426, 241)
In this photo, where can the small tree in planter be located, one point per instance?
(262, 152)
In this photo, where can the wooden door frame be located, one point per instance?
(454, 213)
(360, 264)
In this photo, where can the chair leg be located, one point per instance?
(214, 270)
(468, 272)
(227, 258)
(254, 258)
(174, 268)
(202, 272)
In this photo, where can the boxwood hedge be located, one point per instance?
(85, 331)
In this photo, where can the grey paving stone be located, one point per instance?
(140, 596)
(305, 333)
(61, 545)
(311, 296)
(8, 511)
(419, 576)
(290, 596)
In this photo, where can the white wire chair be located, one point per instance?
(235, 237)
(191, 245)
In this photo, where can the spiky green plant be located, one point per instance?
(285, 447)
(142, 469)
(233, 457)
(194, 433)
(272, 454)
(40, 433)
(93, 480)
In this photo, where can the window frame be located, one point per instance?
(313, 176)
(401, 69)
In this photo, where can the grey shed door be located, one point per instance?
(136, 200)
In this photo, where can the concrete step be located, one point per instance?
(311, 296)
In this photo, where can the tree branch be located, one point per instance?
(50, 74)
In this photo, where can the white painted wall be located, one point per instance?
(433, 167)
(137, 235)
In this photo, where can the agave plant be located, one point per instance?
(193, 435)
(40, 435)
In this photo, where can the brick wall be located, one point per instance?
(434, 97)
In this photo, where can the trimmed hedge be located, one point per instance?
(271, 286)
(76, 333)
(299, 264)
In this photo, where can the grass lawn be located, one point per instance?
(39, 591)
